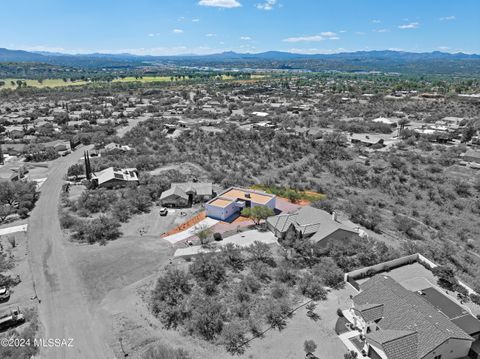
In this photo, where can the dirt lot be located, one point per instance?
(288, 344)
(132, 321)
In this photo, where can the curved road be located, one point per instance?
(63, 309)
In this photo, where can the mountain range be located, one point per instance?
(386, 60)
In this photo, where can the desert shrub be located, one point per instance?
(167, 299)
(67, 221)
(328, 270)
(101, 230)
(209, 271)
(475, 298)
(276, 313)
(445, 277)
(284, 274)
(9, 281)
(260, 252)
(97, 200)
(312, 287)
(232, 256)
(461, 290)
(233, 337)
(162, 351)
(309, 346)
(206, 317)
(122, 210)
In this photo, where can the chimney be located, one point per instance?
(334, 216)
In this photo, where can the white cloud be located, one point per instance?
(195, 20)
(267, 5)
(245, 38)
(151, 35)
(220, 3)
(342, 31)
(381, 30)
(304, 38)
(210, 35)
(443, 48)
(376, 21)
(326, 35)
(360, 33)
(447, 18)
(177, 31)
(412, 25)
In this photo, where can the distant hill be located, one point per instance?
(393, 61)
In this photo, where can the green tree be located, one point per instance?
(258, 213)
(203, 233)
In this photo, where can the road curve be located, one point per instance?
(63, 309)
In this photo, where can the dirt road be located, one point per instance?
(63, 309)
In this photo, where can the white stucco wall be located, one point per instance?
(221, 213)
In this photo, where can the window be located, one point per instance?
(437, 357)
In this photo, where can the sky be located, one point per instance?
(170, 27)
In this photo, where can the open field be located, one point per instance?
(146, 79)
(45, 83)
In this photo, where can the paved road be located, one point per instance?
(63, 310)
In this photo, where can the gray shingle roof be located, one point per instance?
(405, 310)
(177, 191)
(397, 344)
(200, 188)
(308, 220)
(371, 312)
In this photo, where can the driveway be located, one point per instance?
(244, 239)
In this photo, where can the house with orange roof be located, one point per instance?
(231, 202)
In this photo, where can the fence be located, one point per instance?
(351, 277)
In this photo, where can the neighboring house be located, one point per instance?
(308, 222)
(114, 177)
(366, 140)
(471, 156)
(59, 145)
(386, 121)
(187, 193)
(399, 324)
(231, 202)
(115, 146)
(13, 149)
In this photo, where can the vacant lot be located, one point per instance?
(288, 344)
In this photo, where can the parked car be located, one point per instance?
(163, 211)
(12, 318)
(4, 294)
